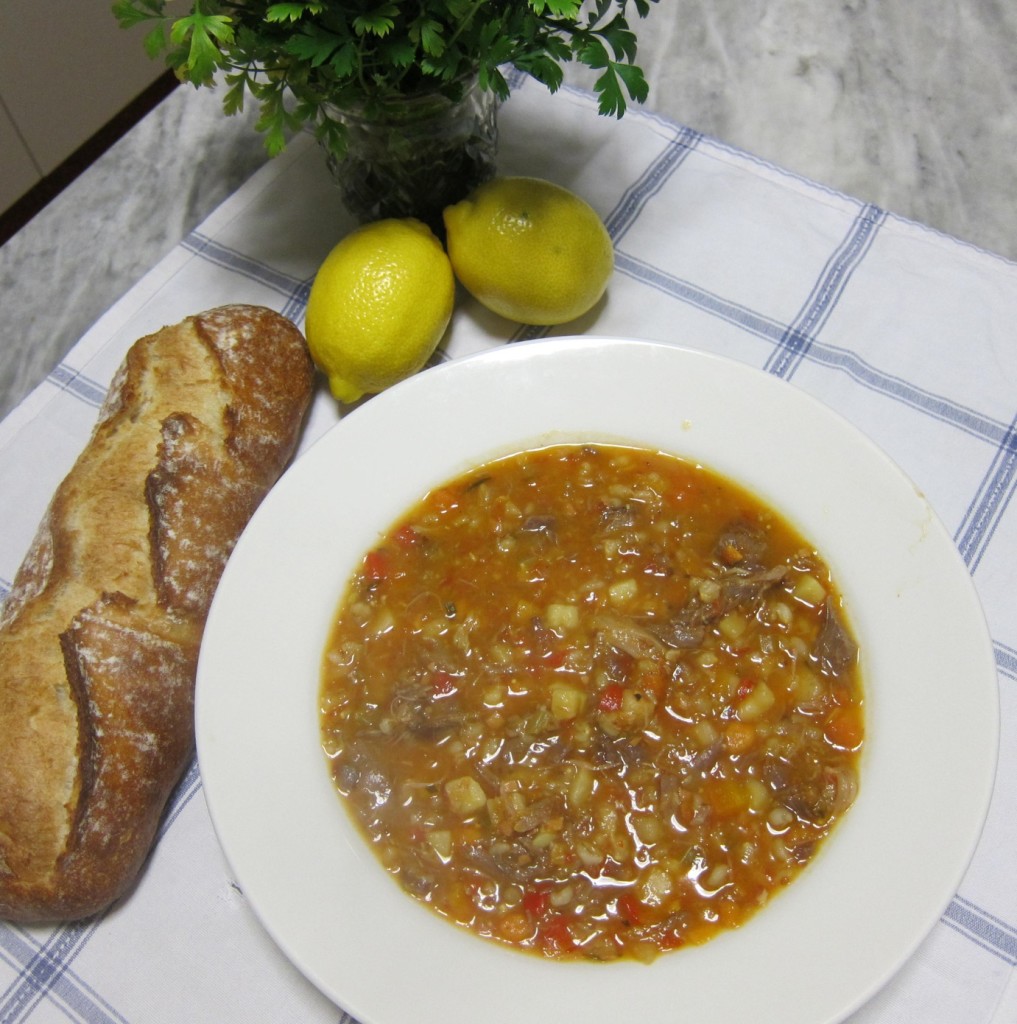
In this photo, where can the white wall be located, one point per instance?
(66, 68)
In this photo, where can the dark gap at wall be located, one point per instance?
(40, 195)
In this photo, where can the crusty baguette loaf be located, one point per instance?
(99, 636)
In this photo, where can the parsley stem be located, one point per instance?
(464, 24)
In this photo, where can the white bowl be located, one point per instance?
(820, 948)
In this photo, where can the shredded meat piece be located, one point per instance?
(685, 631)
(742, 543)
(815, 799)
(538, 813)
(416, 883)
(362, 772)
(737, 590)
(834, 650)
(545, 526)
(745, 590)
(417, 876)
(802, 852)
(617, 752)
(628, 636)
(705, 759)
(508, 861)
(414, 708)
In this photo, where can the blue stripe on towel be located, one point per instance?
(244, 266)
(1006, 660)
(46, 973)
(825, 294)
(754, 323)
(994, 935)
(993, 497)
(631, 204)
(77, 384)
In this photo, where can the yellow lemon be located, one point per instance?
(378, 307)
(529, 250)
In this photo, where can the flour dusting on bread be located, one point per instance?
(100, 634)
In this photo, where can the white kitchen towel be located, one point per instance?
(910, 335)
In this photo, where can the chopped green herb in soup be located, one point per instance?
(593, 702)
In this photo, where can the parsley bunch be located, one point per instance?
(297, 58)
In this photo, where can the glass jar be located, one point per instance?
(413, 156)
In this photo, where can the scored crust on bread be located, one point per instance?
(100, 633)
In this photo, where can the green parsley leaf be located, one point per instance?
(378, 22)
(155, 41)
(129, 14)
(610, 99)
(313, 44)
(233, 101)
(400, 52)
(566, 9)
(290, 12)
(545, 70)
(344, 60)
(635, 81)
(431, 38)
(203, 31)
(620, 38)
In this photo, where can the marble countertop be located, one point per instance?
(911, 107)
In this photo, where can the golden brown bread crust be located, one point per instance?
(99, 636)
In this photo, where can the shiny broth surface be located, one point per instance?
(593, 702)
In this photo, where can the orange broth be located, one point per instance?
(593, 701)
